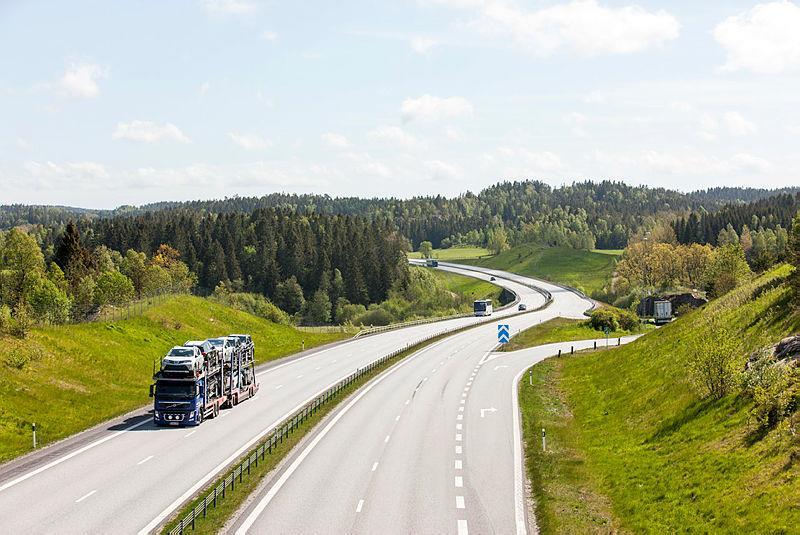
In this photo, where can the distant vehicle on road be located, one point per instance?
(522, 306)
(662, 312)
(492, 279)
(432, 262)
(482, 307)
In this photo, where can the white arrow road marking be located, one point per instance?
(491, 409)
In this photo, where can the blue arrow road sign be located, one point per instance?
(503, 333)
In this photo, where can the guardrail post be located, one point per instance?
(205, 506)
(619, 340)
(559, 352)
(215, 497)
(595, 344)
(571, 350)
(193, 515)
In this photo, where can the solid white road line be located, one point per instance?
(459, 481)
(519, 488)
(374, 466)
(60, 460)
(359, 506)
(79, 500)
(462, 527)
(144, 460)
(273, 491)
(459, 502)
(457, 464)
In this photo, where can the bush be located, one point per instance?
(348, 312)
(5, 319)
(627, 320)
(714, 364)
(22, 320)
(603, 318)
(113, 288)
(375, 316)
(773, 386)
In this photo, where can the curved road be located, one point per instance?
(429, 446)
(130, 476)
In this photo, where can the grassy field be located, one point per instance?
(632, 447)
(468, 287)
(69, 378)
(455, 253)
(557, 330)
(587, 270)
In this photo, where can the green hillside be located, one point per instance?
(68, 378)
(455, 253)
(587, 270)
(633, 447)
(469, 287)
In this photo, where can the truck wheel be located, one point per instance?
(234, 400)
(199, 417)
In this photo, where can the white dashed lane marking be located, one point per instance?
(144, 460)
(79, 500)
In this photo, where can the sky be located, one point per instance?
(111, 103)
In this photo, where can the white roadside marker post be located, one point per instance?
(530, 377)
(544, 440)
(34, 435)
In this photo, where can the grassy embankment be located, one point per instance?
(633, 448)
(468, 287)
(68, 378)
(589, 271)
(455, 253)
(560, 330)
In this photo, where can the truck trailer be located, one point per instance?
(196, 380)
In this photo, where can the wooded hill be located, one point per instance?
(604, 213)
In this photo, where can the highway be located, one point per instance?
(130, 476)
(430, 446)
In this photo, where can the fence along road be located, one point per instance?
(428, 446)
(130, 478)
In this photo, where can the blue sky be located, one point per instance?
(109, 103)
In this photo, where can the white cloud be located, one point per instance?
(44, 175)
(366, 165)
(396, 137)
(204, 87)
(336, 140)
(582, 26)
(230, 7)
(422, 44)
(793, 129)
(250, 141)
(764, 39)
(23, 143)
(749, 163)
(442, 170)
(268, 35)
(453, 134)
(430, 108)
(738, 125)
(80, 80)
(684, 164)
(577, 122)
(149, 132)
(519, 162)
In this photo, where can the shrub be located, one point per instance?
(348, 312)
(627, 320)
(773, 386)
(5, 319)
(255, 304)
(375, 316)
(603, 318)
(714, 363)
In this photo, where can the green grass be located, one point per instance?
(632, 434)
(558, 330)
(468, 287)
(68, 378)
(586, 270)
(455, 253)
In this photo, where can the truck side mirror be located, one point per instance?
(152, 390)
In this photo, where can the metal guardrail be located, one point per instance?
(288, 426)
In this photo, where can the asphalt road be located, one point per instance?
(430, 446)
(128, 478)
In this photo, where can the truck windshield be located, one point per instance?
(216, 341)
(480, 306)
(175, 390)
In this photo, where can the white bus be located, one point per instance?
(482, 307)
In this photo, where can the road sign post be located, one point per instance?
(544, 440)
(34, 435)
(530, 377)
(503, 333)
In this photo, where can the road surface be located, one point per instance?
(131, 476)
(430, 446)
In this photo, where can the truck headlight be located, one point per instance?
(156, 414)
